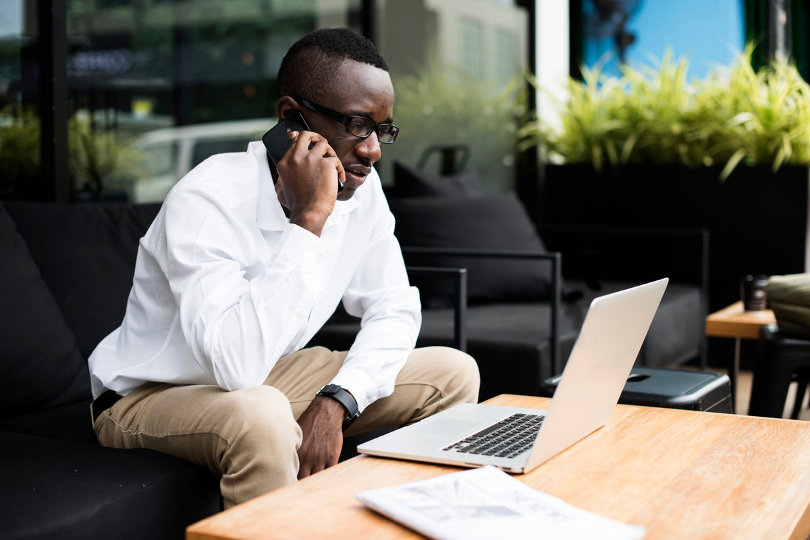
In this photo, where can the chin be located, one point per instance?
(346, 193)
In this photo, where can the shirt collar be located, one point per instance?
(271, 215)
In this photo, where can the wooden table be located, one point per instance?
(681, 474)
(734, 322)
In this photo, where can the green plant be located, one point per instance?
(653, 114)
(439, 106)
(97, 153)
(94, 154)
(19, 147)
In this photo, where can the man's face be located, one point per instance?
(358, 90)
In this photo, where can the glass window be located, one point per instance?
(507, 55)
(457, 68)
(707, 33)
(175, 79)
(19, 101)
(471, 33)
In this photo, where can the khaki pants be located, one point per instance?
(249, 438)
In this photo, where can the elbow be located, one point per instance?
(235, 366)
(236, 352)
(230, 381)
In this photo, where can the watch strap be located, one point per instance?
(343, 397)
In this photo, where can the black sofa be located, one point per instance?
(66, 274)
(448, 221)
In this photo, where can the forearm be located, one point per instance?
(381, 348)
(239, 322)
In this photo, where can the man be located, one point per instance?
(243, 265)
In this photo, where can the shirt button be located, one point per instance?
(319, 258)
(301, 313)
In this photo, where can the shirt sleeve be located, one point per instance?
(390, 314)
(238, 314)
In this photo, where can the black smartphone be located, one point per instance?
(277, 142)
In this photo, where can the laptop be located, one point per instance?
(471, 435)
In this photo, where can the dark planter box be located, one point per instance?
(757, 219)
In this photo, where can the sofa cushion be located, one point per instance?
(69, 422)
(86, 253)
(490, 222)
(410, 182)
(40, 365)
(71, 490)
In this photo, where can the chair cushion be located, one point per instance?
(410, 182)
(86, 253)
(40, 365)
(490, 222)
(789, 298)
(71, 490)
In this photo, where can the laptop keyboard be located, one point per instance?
(506, 438)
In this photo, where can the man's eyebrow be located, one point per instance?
(366, 114)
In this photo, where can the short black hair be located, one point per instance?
(310, 64)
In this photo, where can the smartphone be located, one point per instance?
(277, 142)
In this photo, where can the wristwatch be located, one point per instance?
(337, 393)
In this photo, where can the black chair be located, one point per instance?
(783, 359)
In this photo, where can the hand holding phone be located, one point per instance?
(306, 167)
(277, 140)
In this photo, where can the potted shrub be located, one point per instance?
(97, 155)
(649, 148)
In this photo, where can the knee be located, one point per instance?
(263, 420)
(459, 369)
(261, 450)
(466, 373)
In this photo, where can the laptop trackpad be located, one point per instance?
(446, 426)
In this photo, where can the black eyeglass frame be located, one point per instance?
(346, 120)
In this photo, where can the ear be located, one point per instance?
(286, 105)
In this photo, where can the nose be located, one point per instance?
(369, 148)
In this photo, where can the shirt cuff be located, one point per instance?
(359, 385)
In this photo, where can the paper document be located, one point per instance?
(487, 503)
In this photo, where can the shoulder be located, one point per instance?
(229, 180)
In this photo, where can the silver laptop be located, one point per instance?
(518, 440)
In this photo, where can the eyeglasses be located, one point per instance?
(359, 126)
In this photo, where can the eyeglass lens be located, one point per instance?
(362, 127)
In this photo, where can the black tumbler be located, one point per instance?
(752, 292)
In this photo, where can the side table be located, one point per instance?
(734, 322)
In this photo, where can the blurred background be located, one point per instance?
(117, 99)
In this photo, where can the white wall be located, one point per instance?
(552, 56)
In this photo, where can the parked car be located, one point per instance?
(169, 153)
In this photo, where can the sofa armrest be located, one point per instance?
(555, 260)
(459, 278)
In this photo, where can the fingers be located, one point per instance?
(321, 147)
(309, 143)
(317, 454)
(307, 469)
(340, 172)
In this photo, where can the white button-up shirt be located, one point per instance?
(225, 286)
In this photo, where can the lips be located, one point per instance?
(355, 176)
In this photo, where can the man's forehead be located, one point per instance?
(361, 83)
